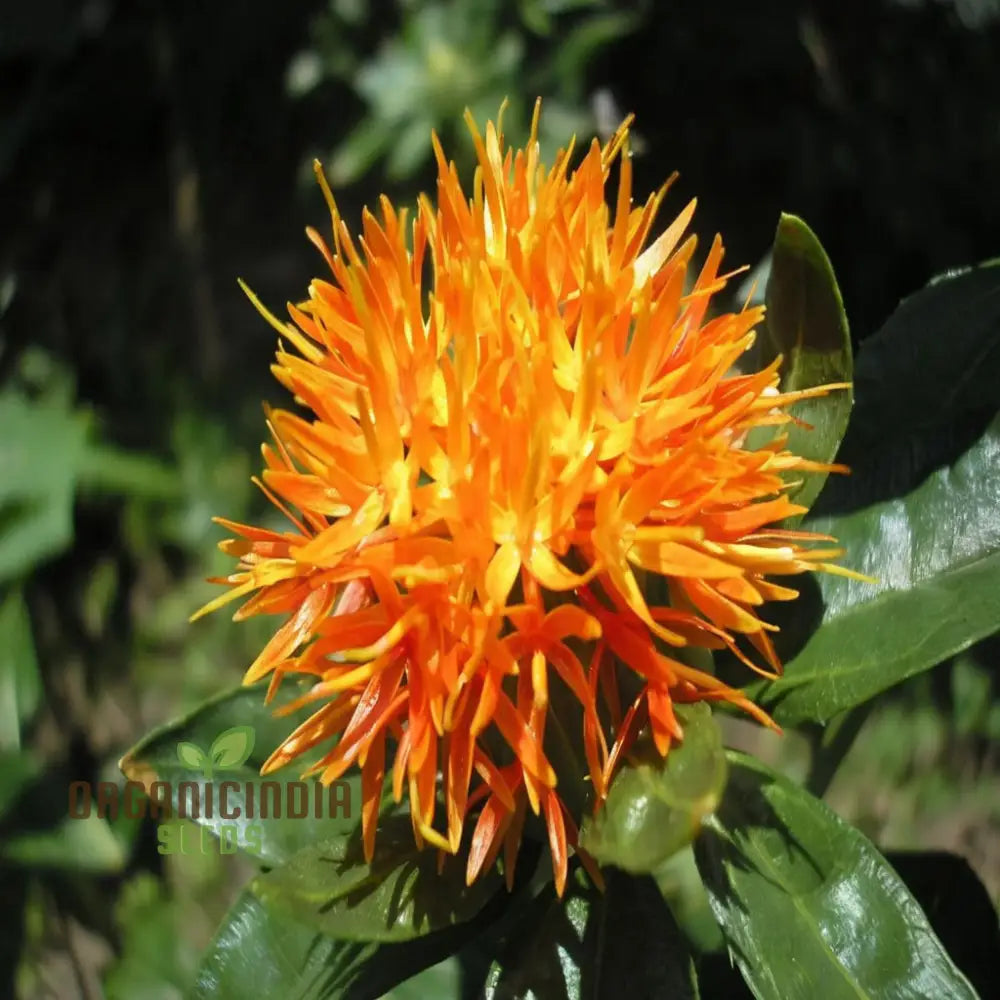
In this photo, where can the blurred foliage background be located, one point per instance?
(150, 153)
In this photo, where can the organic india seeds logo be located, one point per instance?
(232, 811)
(230, 750)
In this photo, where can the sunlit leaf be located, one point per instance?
(404, 893)
(919, 512)
(806, 324)
(261, 950)
(808, 906)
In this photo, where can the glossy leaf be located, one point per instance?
(655, 809)
(808, 905)
(919, 510)
(174, 754)
(806, 324)
(261, 950)
(619, 943)
(258, 951)
(403, 894)
(926, 386)
(936, 555)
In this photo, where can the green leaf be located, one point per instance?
(233, 747)
(926, 387)
(619, 943)
(806, 323)
(45, 455)
(111, 470)
(681, 886)
(441, 980)
(36, 493)
(936, 556)
(260, 950)
(918, 512)
(655, 809)
(37, 830)
(580, 45)
(360, 150)
(808, 905)
(77, 845)
(191, 755)
(20, 681)
(410, 149)
(400, 895)
(273, 839)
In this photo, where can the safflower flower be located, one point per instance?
(525, 421)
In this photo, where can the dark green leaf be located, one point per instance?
(260, 950)
(620, 943)
(936, 556)
(808, 905)
(401, 895)
(20, 682)
(156, 758)
(806, 323)
(926, 386)
(655, 809)
(919, 510)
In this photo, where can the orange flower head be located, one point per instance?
(524, 422)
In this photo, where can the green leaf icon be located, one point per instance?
(232, 747)
(192, 756)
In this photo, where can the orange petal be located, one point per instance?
(292, 634)
(557, 840)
